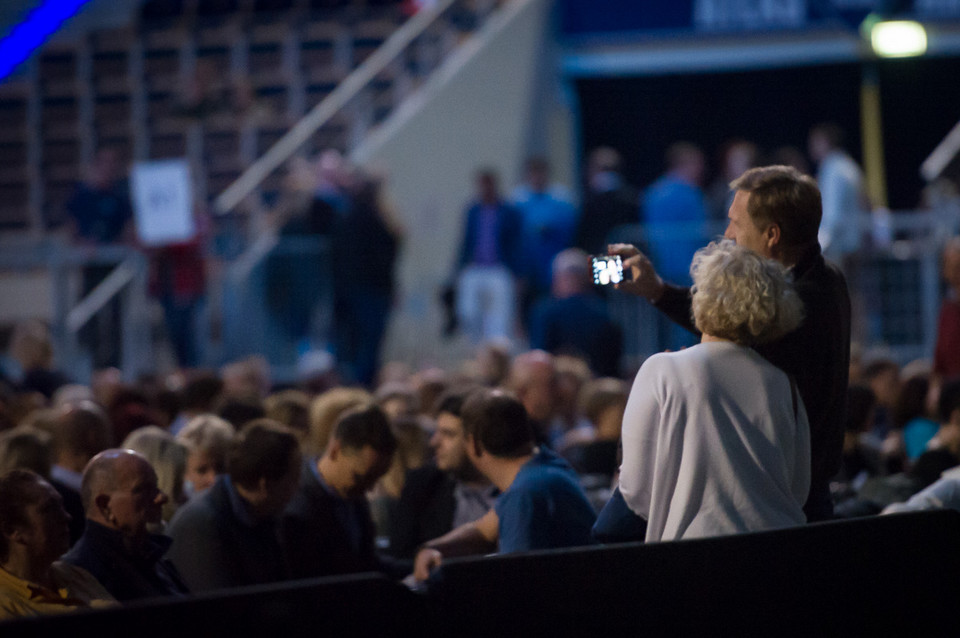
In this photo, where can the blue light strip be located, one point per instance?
(39, 25)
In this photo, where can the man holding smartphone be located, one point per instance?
(776, 212)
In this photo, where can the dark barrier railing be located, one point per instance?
(887, 576)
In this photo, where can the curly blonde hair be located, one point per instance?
(741, 296)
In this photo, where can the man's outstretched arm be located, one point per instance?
(478, 537)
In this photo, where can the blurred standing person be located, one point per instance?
(548, 221)
(842, 191)
(946, 356)
(365, 249)
(608, 203)
(574, 320)
(178, 279)
(487, 266)
(674, 210)
(101, 214)
(736, 158)
(845, 208)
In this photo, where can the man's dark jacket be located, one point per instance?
(126, 574)
(425, 511)
(215, 546)
(315, 540)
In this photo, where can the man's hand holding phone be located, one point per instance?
(644, 280)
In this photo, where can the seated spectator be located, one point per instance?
(429, 384)
(943, 454)
(445, 494)
(883, 377)
(28, 448)
(397, 399)
(33, 534)
(249, 377)
(533, 378)
(130, 409)
(327, 528)
(227, 537)
(324, 412)
(199, 396)
(240, 410)
(81, 431)
(859, 460)
(574, 320)
(412, 434)
(602, 402)
(541, 504)
(292, 408)
(715, 438)
(942, 494)
(122, 500)
(169, 460)
(207, 439)
(573, 373)
(910, 416)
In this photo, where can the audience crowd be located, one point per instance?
(205, 480)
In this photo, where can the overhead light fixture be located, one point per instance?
(896, 38)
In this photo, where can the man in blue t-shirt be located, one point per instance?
(541, 506)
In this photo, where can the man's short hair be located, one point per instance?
(451, 401)
(201, 393)
(949, 399)
(784, 196)
(25, 447)
(367, 426)
(498, 422)
(83, 428)
(263, 449)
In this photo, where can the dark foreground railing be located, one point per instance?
(886, 576)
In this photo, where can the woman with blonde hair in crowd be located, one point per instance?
(207, 438)
(324, 412)
(715, 438)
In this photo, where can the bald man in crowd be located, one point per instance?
(122, 500)
(533, 379)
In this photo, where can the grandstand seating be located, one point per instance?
(261, 66)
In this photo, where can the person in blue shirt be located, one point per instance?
(548, 221)
(674, 212)
(541, 506)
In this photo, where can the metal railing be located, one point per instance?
(72, 312)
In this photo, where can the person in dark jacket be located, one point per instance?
(121, 498)
(227, 536)
(444, 494)
(365, 246)
(327, 528)
(776, 212)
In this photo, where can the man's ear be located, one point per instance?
(474, 445)
(334, 448)
(13, 533)
(772, 235)
(102, 503)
